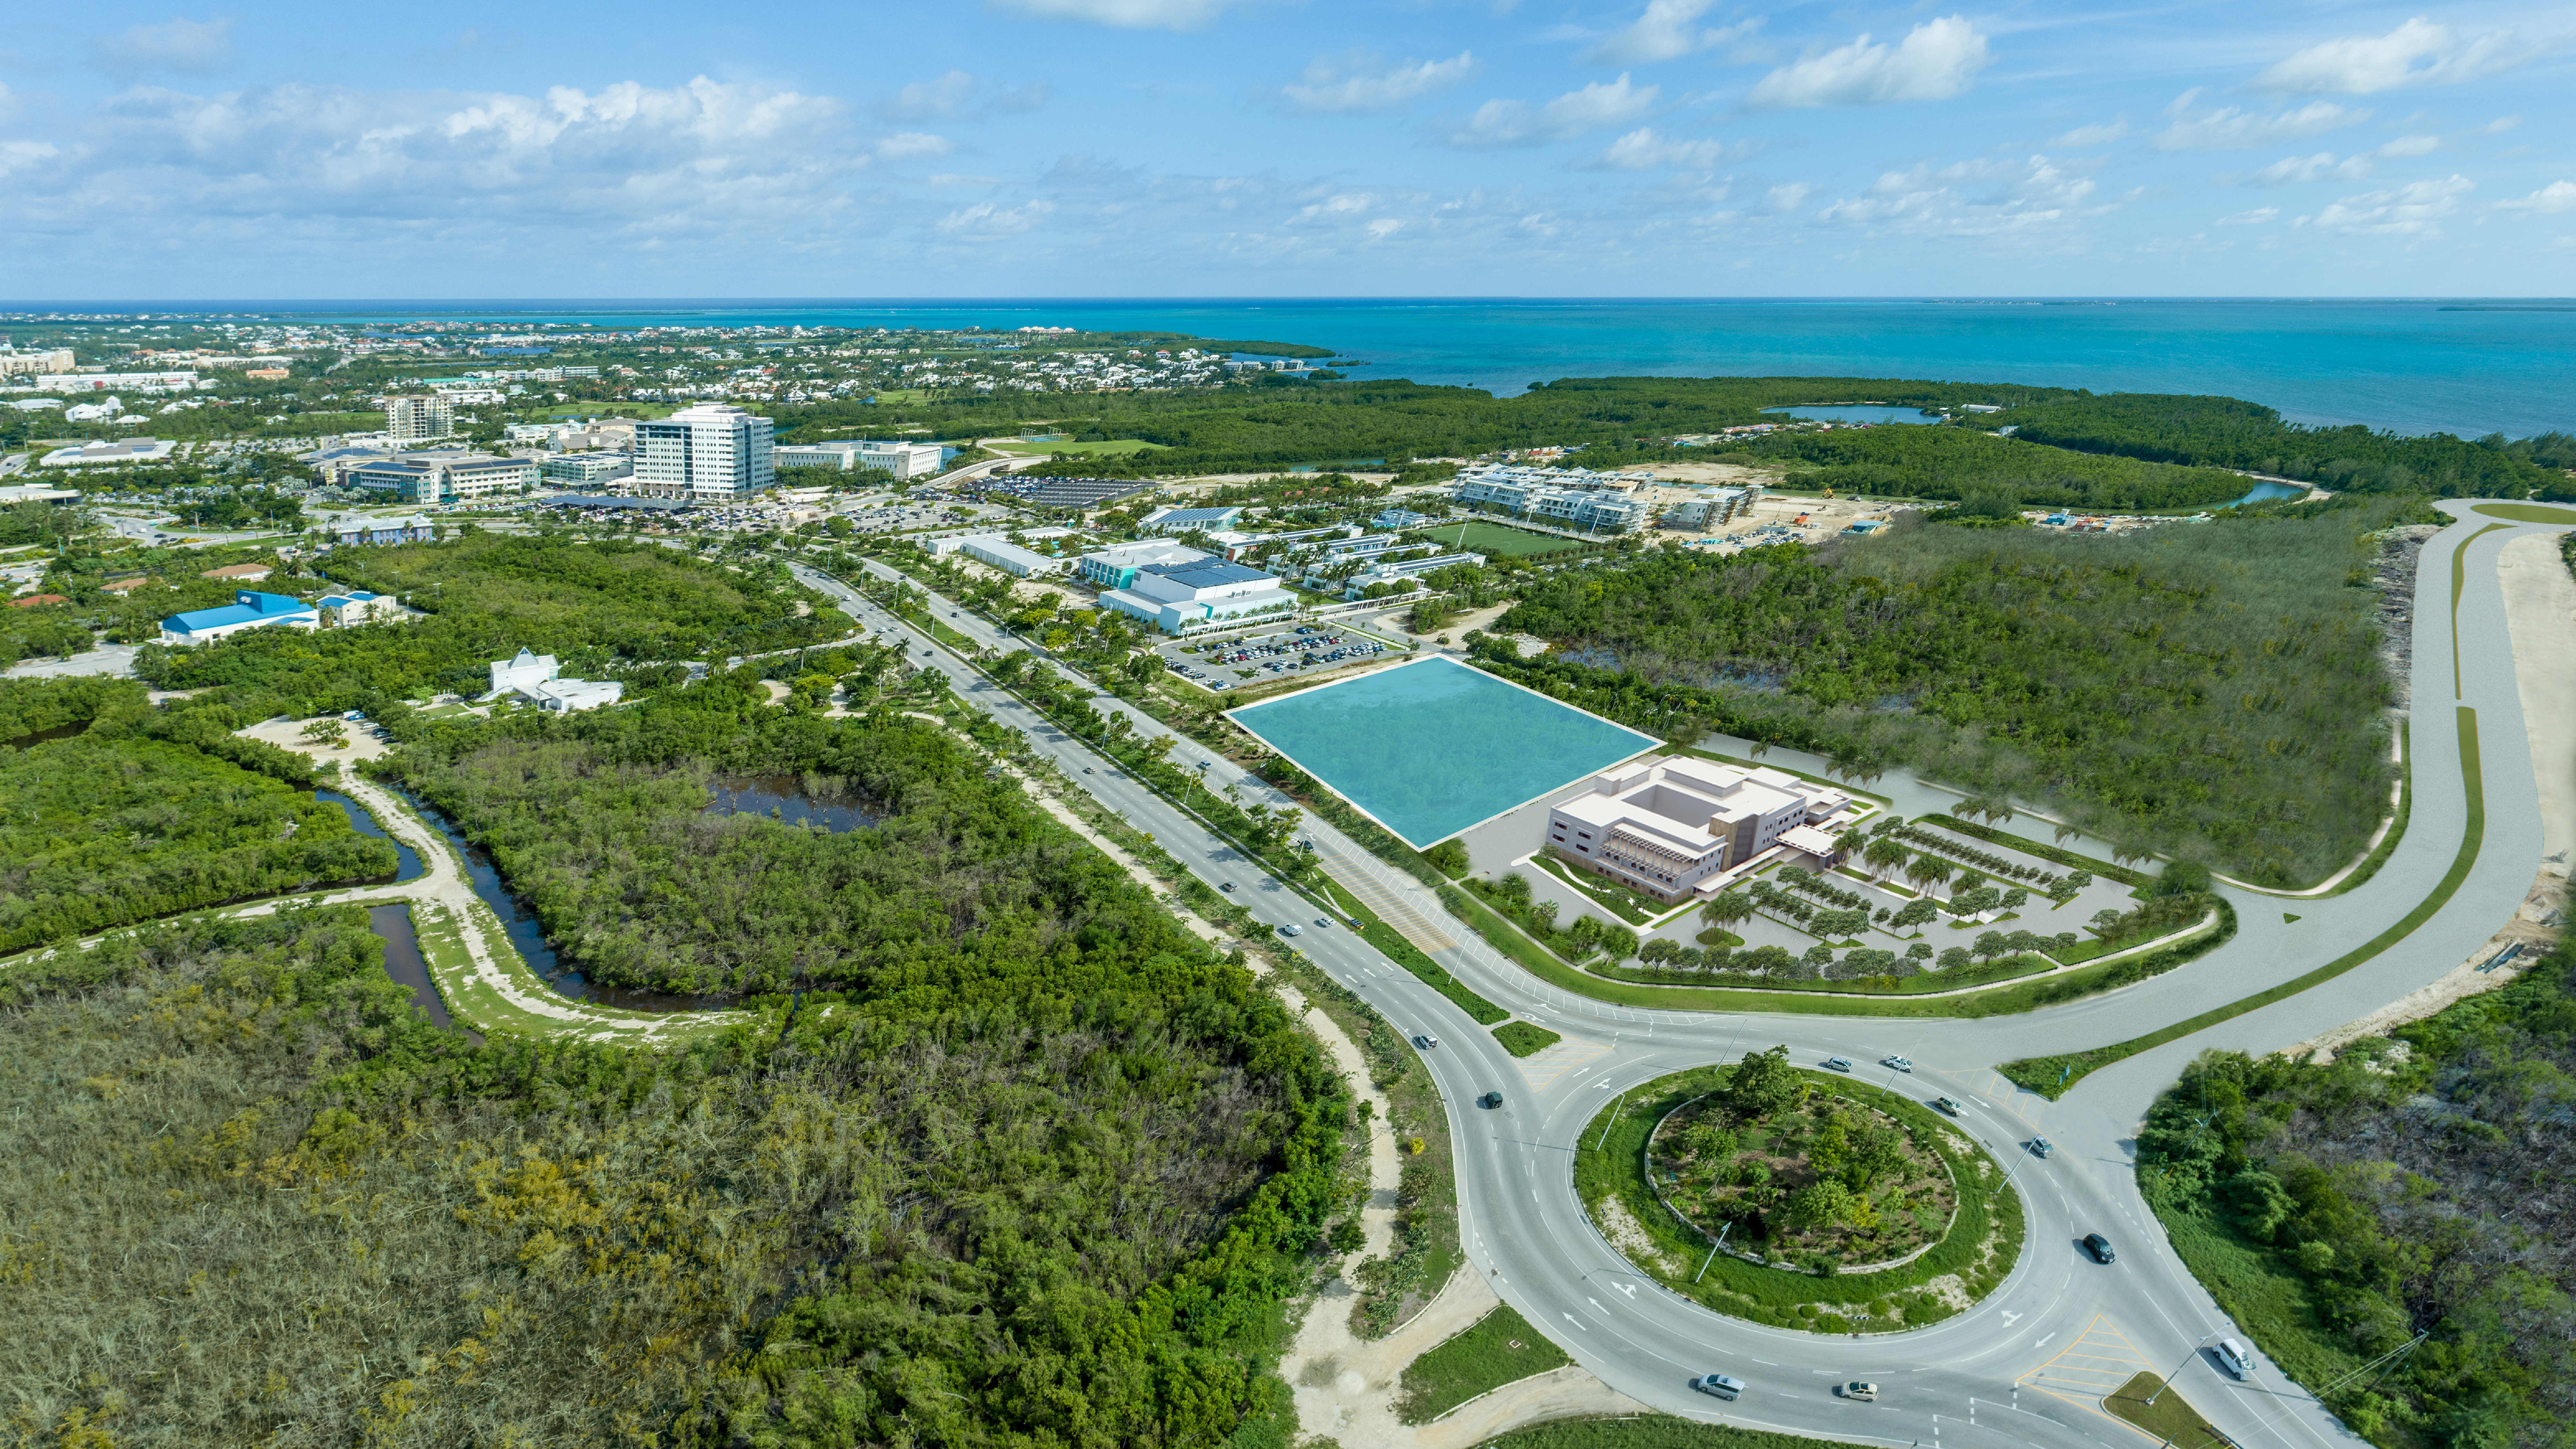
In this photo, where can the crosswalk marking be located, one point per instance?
(1391, 908)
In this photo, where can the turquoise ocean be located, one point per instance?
(2467, 367)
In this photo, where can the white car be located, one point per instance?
(1838, 1064)
(1290, 930)
(1902, 1064)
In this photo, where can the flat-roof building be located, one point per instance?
(419, 417)
(1666, 828)
(1183, 520)
(1590, 509)
(845, 455)
(109, 454)
(1182, 597)
(442, 476)
(711, 453)
(1001, 553)
(250, 609)
(585, 470)
(1114, 566)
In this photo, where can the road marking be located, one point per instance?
(2011, 1318)
(1578, 1323)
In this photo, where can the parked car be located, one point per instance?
(1866, 1393)
(1902, 1064)
(2100, 1247)
(1718, 1384)
(1950, 1105)
(1838, 1064)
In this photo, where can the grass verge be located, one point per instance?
(2008, 969)
(1983, 1241)
(2247, 1280)
(1617, 902)
(1649, 1431)
(1525, 1039)
(2170, 1418)
(2051, 1076)
(1497, 1349)
(2001, 1001)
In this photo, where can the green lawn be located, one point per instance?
(1494, 538)
(1523, 1039)
(2169, 1417)
(1112, 446)
(1500, 1348)
(1617, 902)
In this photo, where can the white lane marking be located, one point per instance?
(1578, 1323)
(2043, 1343)
(1596, 1303)
(2011, 1318)
(1630, 1289)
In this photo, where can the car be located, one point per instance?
(1321, 921)
(1225, 885)
(1290, 929)
(1718, 1384)
(1425, 1040)
(1902, 1064)
(1838, 1064)
(2040, 1147)
(1866, 1393)
(1086, 769)
(1950, 1105)
(2100, 1247)
(2233, 1358)
(1490, 1100)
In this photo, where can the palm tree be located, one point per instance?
(1885, 854)
(1726, 908)
(1933, 870)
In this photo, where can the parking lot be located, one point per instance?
(1308, 649)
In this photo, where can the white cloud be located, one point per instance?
(2417, 53)
(1970, 198)
(2256, 217)
(1126, 14)
(20, 155)
(2293, 170)
(1644, 149)
(192, 47)
(2409, 146)
(908, 145)
(2101, 135)
(2229, 129)
(989, 218)
(1937, 60)
(1518, 123)
(956, 96)
(1668, 30)
(2415, 209)
(2550, 200)
(1358, 83)
(1384, 227)
(1788, 196)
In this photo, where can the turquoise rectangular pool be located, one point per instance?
(1433, 748)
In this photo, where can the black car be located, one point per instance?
(1490, 1100)
(2100, 1247)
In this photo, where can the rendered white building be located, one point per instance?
(50, 360)
(1001, 553)
(418, 418)
(1666, 828)
(442, 475)
(1181, 598)
(709, 453)
(537, 679)
(1114, 566)
(107, 454)
(903, 460)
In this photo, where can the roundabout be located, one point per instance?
(1799, 1198)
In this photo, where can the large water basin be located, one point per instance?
(1857, 413)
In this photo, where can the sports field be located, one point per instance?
(1493, 539)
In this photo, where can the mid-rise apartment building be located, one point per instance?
(903, 460)
(51, 360)
(418, 418)
(709, 453)
(1712, 508)
(1666, 827)
(1593, 509)
(442, 476)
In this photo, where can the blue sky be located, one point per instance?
(1287, 148)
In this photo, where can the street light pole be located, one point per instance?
(2178, 1368)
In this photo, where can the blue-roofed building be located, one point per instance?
(250, 609)
(1182, 520)
(1206, 593)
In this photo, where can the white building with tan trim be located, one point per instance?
(1668, 828)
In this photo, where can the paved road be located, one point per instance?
(2025, 1365)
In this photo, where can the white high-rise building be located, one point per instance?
(710, 453)
(418, 418)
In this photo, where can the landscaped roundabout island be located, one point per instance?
(1830, 1205)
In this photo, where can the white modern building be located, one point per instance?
(1182, 598)
(709, 453)
(1183, 520)
(1114, 566)
(903, 460)
(1712, 508)
(419, 418)
(339, 611)
(1387, 571)
(537, 678)
(1591, 509)
(1667, 828)
(109, 454)
(585, 470)
(124, 382)
(1001, 553)
(442, 475)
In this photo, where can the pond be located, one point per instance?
(405, 964)
(786, 800)
(1858, 413)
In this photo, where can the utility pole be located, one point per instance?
(2178, 1368)
(1712, 1251)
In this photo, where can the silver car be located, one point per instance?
(1718, 1384)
